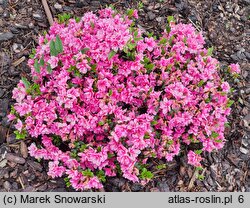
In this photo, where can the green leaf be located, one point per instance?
(101, 123)
(52, 46)
(25, 82)
(145, 174)
(168, 29)
(83, 51)
(110, 155)
(131, 46)
(153, 123)
(58, 45)
(88, 173)
(170, 19)
(63, 18)
(83, 147)
(32, 54)
(130, 12)
(49, 69)
(160, 167)
(146, 136)
(210, 51)
(78, 19)
(110, 92)
(198, 152)
(218, 140)
(101, 175)
(201, 83)
(111, 54)
(92, 25)
(150, 66)
(20, 135)
(200, 177)
(37, 66)
(214, 134)
(163, 41)
(230, 103)
(199, 168)
(42, 61)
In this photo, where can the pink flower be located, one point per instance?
(194, 159)
(225, 87)
(55, 170)
(135, 14)
(150, 43)
(53, 61)
(234, 68)
(19, 125)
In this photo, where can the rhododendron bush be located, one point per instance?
(104, 98)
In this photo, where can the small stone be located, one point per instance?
(38, 17)
(4, 58)
(6, 36)
(6, 14)
(7, 185)
(229, 8)
(20, 26)
(58, 6)
(151, 15)
(1, 10)
(17, 48)
(3, 163)
(246, 1)
(158, 19)
(247, 54)
(244, 150)
(81, 3)
(136, 187)
(95, 3)
(2, 91)
(15, 186)
(14, 30)
(157, 6)
(14, 158)
(246, 121)
(31, 25)
(241, 55)
(234, 57)
(163, 187)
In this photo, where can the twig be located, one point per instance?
(191, 183)
(47, 11)
(19, 61)
(197, 27)
(21, 182)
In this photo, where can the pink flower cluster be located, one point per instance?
(112, 99)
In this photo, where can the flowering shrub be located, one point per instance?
(104, 98)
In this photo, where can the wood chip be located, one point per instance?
(13, 158)
(23, 149)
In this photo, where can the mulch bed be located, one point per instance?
(225, 25)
